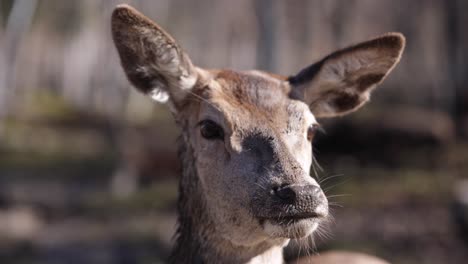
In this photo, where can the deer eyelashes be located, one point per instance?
(210, 130)
(312, 130)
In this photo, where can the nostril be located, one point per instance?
(285, 193)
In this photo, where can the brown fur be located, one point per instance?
(351, 84)
(366, 81)
(243, 196)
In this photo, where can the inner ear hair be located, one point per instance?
(153, 61)
(389, 45)
(341, 82)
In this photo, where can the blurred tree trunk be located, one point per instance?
(458, 58)
(19, 21)
(266, 12)
(341, 15)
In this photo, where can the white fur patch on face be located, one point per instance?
(272, 256)
(310, 118)
(300, 229)
(300, 119)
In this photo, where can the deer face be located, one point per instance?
(253, 157)
(251, 132)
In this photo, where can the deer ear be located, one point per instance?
(342, 82)
(151, 58)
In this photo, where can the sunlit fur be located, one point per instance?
(228, 209)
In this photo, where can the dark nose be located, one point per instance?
(291, 193)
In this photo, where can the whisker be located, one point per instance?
(334, 185)
(316, 167)
(335, 205)
(329, 178)
(339, 195)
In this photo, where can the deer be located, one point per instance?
(246, 188)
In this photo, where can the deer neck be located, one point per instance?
(197, 241)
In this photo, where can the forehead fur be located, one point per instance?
(252, 91)
(249, 101)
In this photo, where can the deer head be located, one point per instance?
(247, 135)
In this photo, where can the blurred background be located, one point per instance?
(88, 167)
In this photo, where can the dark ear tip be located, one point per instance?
(122, 10)
(123, 7)
(393, 40)
(126, 14)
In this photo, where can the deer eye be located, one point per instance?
(312, 130)
(210, 130)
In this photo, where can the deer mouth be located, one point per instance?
(286, 220)
(291, 211)
(291, 227)
(318, 213)
(297, 225)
